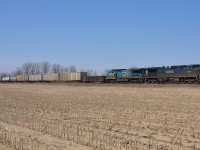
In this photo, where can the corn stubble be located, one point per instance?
(107, 117)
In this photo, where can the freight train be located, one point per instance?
(152, 75)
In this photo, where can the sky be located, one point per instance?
(99, 34)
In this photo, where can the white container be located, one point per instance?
(35, 78)
(5, 79)
(13, 79)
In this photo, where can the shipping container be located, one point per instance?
(5, 79)
(22, 78)
(35, 78)
(72, 76)
(51, 77)
(13, 79)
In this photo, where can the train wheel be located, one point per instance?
(149, 82)
(158, 82)
(198, 75)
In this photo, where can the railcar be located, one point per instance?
(91, 79)
(13, 79)
(55, 77)
(72, 76)
(36, 78)
(5, 79)
(23, 78)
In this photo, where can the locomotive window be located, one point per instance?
(136, 71)
(152, 70)
(188, 67)
(173, 67)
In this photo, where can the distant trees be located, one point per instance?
(31, 68)
(45, 67)
(66, 69)
(17, 72)
(105, 72)
(56, 68)
(38, 68)
(91, 72)
(27, 67)
(4, 74)
(72, 68)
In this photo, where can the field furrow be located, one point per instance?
(110, 117)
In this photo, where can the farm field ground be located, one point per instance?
(43, 116)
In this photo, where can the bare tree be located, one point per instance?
(105, 72)
(94, 73)
(4, 74)
(62, 69)
(82, 70)
(13, 74)
(89, 72)
(66, 69)
(33, 68)
(38, 68)
(56, 68)
(28, 68)
(45, 67)
(72, 68)
(18, 71)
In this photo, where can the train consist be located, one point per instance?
(159, 75)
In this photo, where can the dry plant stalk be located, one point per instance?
(107, 117)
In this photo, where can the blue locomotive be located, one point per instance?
(182, 74)
(179, 74)
(126, 75)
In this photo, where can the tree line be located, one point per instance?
(44, 67)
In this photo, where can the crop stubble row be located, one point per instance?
(108, 117)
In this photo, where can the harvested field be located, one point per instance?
(99, 116)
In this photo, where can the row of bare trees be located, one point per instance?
(43, 68)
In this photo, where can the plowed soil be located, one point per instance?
(99, 116)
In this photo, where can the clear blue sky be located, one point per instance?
(99, 34)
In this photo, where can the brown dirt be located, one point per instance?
(95, 116)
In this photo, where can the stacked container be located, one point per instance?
(13, 79)
(51, 77)
(72, 76)
(22, 78)
(35, 78)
